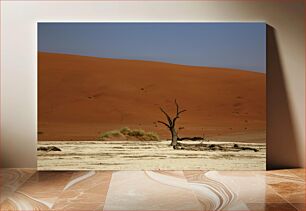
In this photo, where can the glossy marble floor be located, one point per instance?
(27, 189)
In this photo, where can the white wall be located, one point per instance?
(286, 83)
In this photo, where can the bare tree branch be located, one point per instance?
(181, 111)
(168, 117)
(177, 107)
(175, 118)
(171, 125)
(178, 112)
(164, 123)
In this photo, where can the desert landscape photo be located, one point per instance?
(151, 96)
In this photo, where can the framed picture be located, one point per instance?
(151, 96)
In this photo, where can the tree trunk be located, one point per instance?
(173, 137)
(171, 123)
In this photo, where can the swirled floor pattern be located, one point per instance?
(27, 189)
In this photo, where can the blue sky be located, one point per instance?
(230, 45)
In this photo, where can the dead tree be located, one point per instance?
(171, 123)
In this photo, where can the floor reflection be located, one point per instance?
(27, 189)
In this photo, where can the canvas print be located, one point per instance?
(151, 96)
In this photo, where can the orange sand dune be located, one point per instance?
(79, 97)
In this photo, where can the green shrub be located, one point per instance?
(150, 136)
(128, 133)
(109, 134)
(125, 130)
(136, 133)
